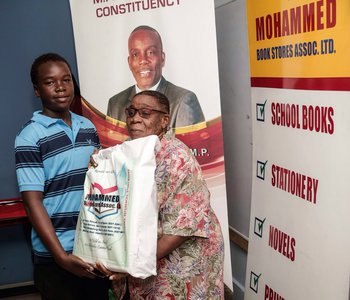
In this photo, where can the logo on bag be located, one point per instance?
(102, 202)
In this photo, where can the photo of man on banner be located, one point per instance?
(184, 66)
(146, 60)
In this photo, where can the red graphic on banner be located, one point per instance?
(204, 139)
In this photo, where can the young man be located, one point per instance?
(52, 154)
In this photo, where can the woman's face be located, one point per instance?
(154, 123)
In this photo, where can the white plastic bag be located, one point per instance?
(117, 224)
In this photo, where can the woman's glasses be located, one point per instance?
(144, 113)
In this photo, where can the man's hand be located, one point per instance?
(76, 265)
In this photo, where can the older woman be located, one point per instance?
(190, 247)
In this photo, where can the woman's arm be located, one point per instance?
(168, 243)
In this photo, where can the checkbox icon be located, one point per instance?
(260, 169)
(260, 111)
(259, 226)
(254, 282)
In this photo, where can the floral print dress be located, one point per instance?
(194, 270)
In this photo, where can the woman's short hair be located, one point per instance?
(162, 99)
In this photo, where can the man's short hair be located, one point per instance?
(161, 98)
(148, 28)
(42, 59)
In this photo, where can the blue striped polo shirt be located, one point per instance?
(52, 157)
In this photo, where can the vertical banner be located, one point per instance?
(188, 72)
(300, 82)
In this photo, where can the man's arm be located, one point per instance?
(33, 203)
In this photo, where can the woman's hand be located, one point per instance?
(118, 280)
(92, 163)
(111, 275)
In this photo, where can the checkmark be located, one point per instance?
(260, 111)
(254, 281)
(260, 169)
(259, 226)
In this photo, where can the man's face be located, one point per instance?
(156, 123)
(146, 58)
(55, 88)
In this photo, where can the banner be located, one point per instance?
(188, 71)
(300, 77)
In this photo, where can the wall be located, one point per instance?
(27, 29)
(237, 126)
(30, 28)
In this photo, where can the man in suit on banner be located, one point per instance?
(146, 60)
